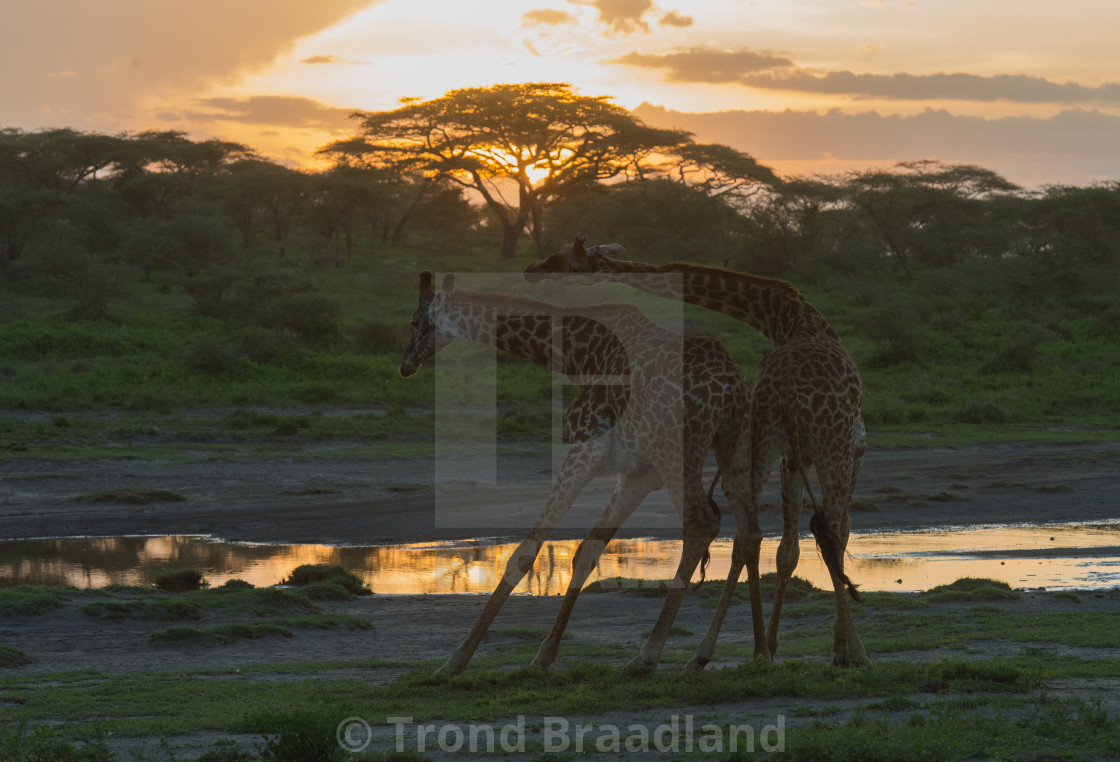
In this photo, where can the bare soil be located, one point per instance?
(391, 500)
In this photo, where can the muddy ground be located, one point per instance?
(391, 500)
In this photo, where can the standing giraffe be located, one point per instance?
(806, 410)
(651, 403)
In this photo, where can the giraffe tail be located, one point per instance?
(831, 551)
(828, 542)
(711, 497)
(707, 551)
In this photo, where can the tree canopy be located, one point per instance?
(540, 139)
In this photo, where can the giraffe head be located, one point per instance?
(427, 339)
(574, 259)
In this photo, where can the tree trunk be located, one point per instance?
(510, 236)
(538, 228)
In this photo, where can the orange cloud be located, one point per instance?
(547, 17)
(125, 53)
(767, 71)
(272, 110)
(672, 18)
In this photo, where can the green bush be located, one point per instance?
(210, 356)
(263, 346)
(983, 411)
(310, 574)
(181, 581)
(378, 337)
(236, 584)
(328, 591)
(313, 317)
(304, 738)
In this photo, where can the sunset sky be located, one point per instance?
(1028, 88)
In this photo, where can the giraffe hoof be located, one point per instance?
(448, 670)
(637, 666)
(696, 664)
(856, 659)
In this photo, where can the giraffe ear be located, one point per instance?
(449, 282)
(425, 286)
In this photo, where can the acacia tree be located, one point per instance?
(925, 208)
(539, 139)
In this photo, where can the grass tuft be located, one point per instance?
(33, 599)
(180, 581)
(10, 656)
(158, 609)
(310, 574)
(972, 589)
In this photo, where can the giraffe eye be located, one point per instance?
(575, 264)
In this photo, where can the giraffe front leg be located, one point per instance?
(628, 494)
(706, 649)
(516, 568)
(700, 529)
(745, 552)
(578, 468)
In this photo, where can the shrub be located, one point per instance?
(265, 346)
(982, 411)
(181, 581)
(305, 737)
(1018, 352)
(236, 584)
(309, 574)
(311, 316)
(210, 356)
(378, 337)
(972, 589)
(328, 591)
(312, 393)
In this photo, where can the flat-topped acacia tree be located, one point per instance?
(541, 138)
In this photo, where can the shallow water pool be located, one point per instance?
(1052, 556)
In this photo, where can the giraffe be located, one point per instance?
(805, 411)
(651, 404)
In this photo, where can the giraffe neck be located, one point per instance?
(562, 340)
(774, 308)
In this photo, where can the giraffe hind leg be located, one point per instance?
(699, 529)
(830, 527)
(789, 549)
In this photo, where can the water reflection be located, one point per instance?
(1067, 556)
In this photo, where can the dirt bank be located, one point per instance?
(388, 500)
